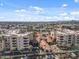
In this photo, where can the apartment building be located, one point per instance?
(77, 38)
(19, 41)
(15, 41)
(65, 38)
(6, 39)
(1, 43)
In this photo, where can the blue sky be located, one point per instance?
(39, 10)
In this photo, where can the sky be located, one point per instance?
(39, 10)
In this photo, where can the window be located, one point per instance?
(14, 45)
(61, 36)
(26, 43)
(25, 38)
(69, 36)
(14, 38)
(61, 39)
(77, 41)
(69, 41)
(77, 36)
(7, 45)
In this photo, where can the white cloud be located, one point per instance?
(50, 15)
(17, 10)
(64, 14)
(23, 10)
(76, 1)
(20, 10)
(64, 5)
(36, 9)
(2, 18)
(75, 13)
(72, 15)
(30, 10)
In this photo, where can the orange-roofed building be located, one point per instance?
(44, 45)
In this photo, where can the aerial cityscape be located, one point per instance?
(39, 40)
(39, 29)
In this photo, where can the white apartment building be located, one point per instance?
(13, 41)
(77, 38)
(20, 41)
(65, 38)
